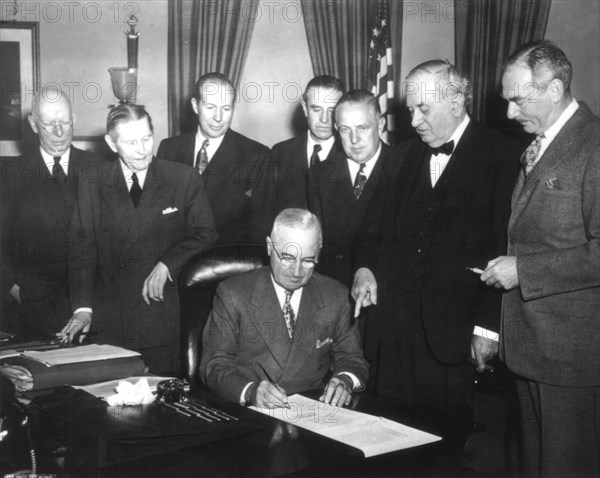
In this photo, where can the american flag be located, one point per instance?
(380, 80)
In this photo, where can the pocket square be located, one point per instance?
(169, 210)
(553, 183)
(320, 344)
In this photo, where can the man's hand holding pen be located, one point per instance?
(267, 395)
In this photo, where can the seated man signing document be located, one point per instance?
(283, 329)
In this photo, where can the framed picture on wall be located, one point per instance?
(19, 76)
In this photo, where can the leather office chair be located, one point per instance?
(197, 285)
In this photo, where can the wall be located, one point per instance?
(573, 25)
(428, 32)
(79, 41)
(277, 69)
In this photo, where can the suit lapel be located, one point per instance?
(153, 194)
(554, 154)
(116, 196)
(185, 149)
(49, 193)
(360, 206)
(268, 319)
(306, 329)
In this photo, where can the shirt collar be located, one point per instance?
(280, 291)
(458, 132)
(213, 144)
(127, 173)
(369, 165)
(49, 160)
(565, 116)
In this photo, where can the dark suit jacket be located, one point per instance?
(246, 327)
(116, 246)
(229, 181)
(283, 181)
(36, 225)
(551, 321)
(331, 198)
(466, 227)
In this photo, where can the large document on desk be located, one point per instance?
(373, 435)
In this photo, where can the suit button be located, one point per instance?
(419, 250)
(339, 256)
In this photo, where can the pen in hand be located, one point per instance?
(475, 270)
(272, 382)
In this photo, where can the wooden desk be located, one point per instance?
(267, 448)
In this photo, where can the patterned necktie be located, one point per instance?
(529, 157)
(359, 181)
(288, 314)
(58, 173)
(202, 158)
(314, 158)
(136, 191)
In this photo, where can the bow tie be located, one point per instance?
(445, 148)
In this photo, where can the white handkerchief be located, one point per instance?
(320, 344)
(169, 210)
(132, 394)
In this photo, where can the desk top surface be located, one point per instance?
(106, 440)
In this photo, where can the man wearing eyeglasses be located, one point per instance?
(38, 197)
(283, 329)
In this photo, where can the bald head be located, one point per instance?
(52, 120)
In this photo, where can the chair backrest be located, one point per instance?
(198, 283)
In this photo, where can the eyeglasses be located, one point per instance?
(289, 260)
(50, 127)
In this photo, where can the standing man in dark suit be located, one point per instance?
(341, 187)
(446, 209)
(295, 323)
(284, 184)
(228, 162)
(38, 202)
(551, 313)
(137, 223)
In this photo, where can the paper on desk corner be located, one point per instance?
(84, 353)
(372, 435)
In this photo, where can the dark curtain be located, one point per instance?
(204, 36)
(338, 38)
(487, 31)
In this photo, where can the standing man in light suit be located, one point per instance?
(551, 313)
(228, 161)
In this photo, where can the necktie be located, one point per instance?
(136, 191)
(445, 148)
(529, 157)
(359, 181)
(58, 173)
(202, 158)
(314, 158)
(288, 314)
